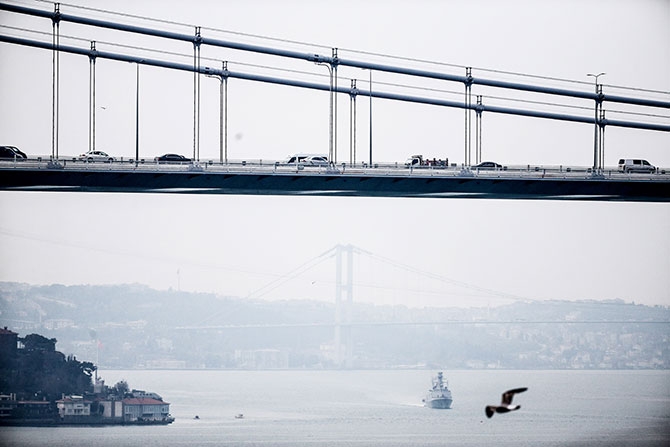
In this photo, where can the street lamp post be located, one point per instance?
(330, 121)
(352, 123)
(370, 95)
(598, 106)
(223, 111)
(137, 114)
(91, 100)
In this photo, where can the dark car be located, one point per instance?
(488, 166)
(11, 152)
(172, 158)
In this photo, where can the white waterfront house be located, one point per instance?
(145, 409)
(73, 405)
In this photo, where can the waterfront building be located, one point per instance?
(145, 409)
(73, 406)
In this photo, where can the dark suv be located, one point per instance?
(11, 152)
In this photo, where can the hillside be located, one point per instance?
(133, 326)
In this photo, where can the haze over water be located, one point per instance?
(383, 408)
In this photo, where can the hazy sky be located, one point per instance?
(476, 251)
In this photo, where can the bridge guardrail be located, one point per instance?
(358, 169)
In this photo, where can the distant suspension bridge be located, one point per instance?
(343, 321)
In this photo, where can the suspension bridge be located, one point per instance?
(345, 321)
(341, 177)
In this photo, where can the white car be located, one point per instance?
(308, 160)
(92, 156)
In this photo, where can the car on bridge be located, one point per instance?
(172, 158)
(636, 165)
(487, 166)
(12, 152)
(93, 156)
(308, 160)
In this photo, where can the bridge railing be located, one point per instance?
(273, 167)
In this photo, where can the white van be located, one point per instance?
(635, 165)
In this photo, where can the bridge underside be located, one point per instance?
(304, 184)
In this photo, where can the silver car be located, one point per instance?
(92, 156)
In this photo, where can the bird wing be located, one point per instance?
(508, 395)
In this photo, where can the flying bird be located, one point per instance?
(506, 404)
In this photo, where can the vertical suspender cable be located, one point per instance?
(198, 79)
(599, 105)
(55, 81)
(331, 154)
(595, 135)
(196, 94)
(225, 109)
(137, 113)
(478, 130)
(221, 120)
(370, 117)
(91, 100)
(602, 137)
(468, 115)
(352, 123)
(353, 160)
(333, 93)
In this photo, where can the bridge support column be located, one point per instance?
(601, 138)
(468, 115)
(598, 125)
(598, 145)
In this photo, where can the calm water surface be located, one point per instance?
(383, 408)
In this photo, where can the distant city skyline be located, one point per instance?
(478, 252)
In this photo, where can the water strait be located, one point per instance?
(383, 408)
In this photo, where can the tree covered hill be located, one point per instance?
(36, 371)
(120, 304)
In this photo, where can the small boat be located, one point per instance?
(439, 396)
(239, 416)
(196, 417)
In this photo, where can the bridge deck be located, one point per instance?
(276, 179)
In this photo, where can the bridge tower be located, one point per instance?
(343, 306)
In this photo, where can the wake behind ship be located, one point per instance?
(439, 396)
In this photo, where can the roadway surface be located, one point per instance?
(380, 180)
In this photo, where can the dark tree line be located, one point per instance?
(38, 372)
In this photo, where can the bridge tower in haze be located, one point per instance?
(344, 298)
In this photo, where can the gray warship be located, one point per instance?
(439, 396)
